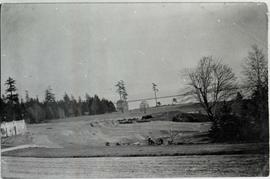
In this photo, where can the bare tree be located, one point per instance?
(255, 68)
(211, 82)
(256, 73)
(172, 135)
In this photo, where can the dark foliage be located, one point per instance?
(190, 117)
(228, 126)
(11, 108)
(34, 111)
(242, 120)
(147, 117)
(246, 119)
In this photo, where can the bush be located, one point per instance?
(147, 117)
(189, 117)
(231, 128)
(241, 126)
(226, 128)
(159, 141)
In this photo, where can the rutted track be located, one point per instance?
(169, 166)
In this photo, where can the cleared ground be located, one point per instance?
(89, 131)
(127, 151)
(169, 166)
(75, 148)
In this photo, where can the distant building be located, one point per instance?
(174, 101)
(144, 106)
(122, 106)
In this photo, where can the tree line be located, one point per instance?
(35, 111)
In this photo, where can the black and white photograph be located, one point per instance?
(134, 89)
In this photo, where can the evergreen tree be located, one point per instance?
(121, 90)
(12, 109)
(111, 107)
(95, 106)
(104, 108)
(89, 101)
(50, 105)
(79, 106)
(27, 98)
(11, 96)
(66, 104)
(49, 96)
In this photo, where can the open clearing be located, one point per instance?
(89, 131)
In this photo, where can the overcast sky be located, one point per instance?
(79, 48)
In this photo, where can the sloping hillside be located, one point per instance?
(98, 132)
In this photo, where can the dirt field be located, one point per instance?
(169, 166)
(89, 131)
(75, 148)
(128, 151)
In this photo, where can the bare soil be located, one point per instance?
(135, 151)
(137, 167)
(97, 131)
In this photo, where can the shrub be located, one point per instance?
(189, 117)
(147, 117)
(159, 141)
(232, 127)
(226, 128)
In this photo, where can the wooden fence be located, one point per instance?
(13, 128)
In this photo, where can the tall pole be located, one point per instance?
(155, 91)
(155, 97)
